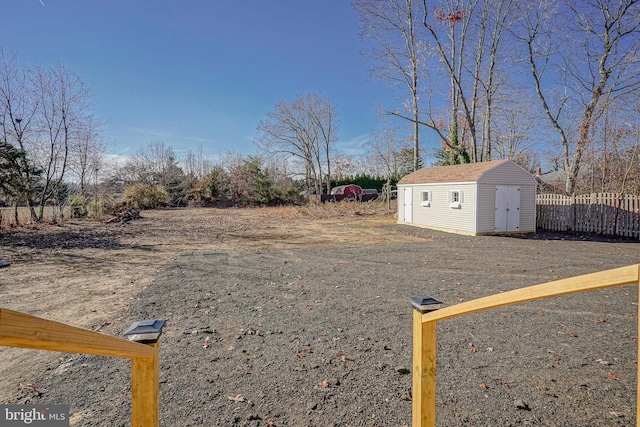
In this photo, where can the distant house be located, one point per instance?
(551, 182)
(476, 198)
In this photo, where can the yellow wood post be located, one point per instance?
(424, 372)
(145, 389)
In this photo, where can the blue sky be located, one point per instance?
(201, 71)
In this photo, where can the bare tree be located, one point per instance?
(512, 126)
(41, 110)
(325, 119)
(455, 27)
(611, 162)
(387, 145)
(594, 51)
(154, 164)
(196, 164)
(306, 130)
(391, 30)
(346, 165)
(62, 105)
(87, 153)
(18, 123)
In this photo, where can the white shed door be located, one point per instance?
(408, 204)
(507, 208)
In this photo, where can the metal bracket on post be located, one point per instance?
(145, 374)
(145, 331)
(425, 303)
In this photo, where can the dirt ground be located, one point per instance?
(307, 314)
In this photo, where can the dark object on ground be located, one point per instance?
(4, 263)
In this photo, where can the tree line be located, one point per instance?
(492, 79)
(53, 152)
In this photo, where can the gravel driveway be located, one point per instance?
(321, 336)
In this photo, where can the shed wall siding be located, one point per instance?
(440, 214)
(528, 208)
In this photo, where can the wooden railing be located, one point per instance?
(424, 330)
(26, 331)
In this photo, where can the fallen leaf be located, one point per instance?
(616, 414)
(102, 325)
(323, 384)
(270, 423)
(237, 398)
(301, 355)
(599, 321)
(207, 342)
(484, 386)
(474, 350)
(603, 362)
(33, 388)
(610, 375)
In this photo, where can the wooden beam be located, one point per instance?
(26, 331)
(616, 277)
(145, 389)
(423, 404)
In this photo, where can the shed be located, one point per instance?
(474, 199)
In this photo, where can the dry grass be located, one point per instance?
(7, 215)
(327, 210)
(309, 211)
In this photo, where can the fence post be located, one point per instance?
(145, 375)
(145, 390)
(423, 405)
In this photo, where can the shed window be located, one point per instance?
(456, 198)
(425, 198)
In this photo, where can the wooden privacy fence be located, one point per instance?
(26, 331)
(424, 330)
(603, 213)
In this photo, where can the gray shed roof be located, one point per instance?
(469, 172)
(553, 177)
